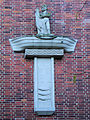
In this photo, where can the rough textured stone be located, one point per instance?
(29, 53)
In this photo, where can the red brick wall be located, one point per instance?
(72, 98)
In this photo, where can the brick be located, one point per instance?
(16, 73)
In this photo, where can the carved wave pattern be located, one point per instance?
(43, 52)
(44, 94)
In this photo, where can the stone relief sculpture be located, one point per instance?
(42, 23)
(43, 47)
(44, 39)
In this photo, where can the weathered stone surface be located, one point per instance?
(42, 21)
(44, 100)
(22, 43)
(43, 52)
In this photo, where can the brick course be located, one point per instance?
(72, 96)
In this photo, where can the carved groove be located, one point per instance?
(20, 44)
(43, 89)
(44, 94)
(43, 99)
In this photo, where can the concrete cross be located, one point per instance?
(43, 52)
(43, 48)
